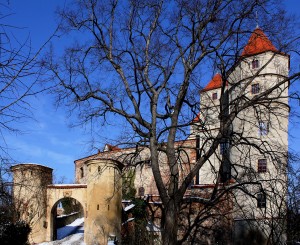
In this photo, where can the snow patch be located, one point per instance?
(64, 232)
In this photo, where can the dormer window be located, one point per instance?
(215, 96)
(255, 64)
(255, 88)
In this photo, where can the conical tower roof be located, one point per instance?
(258, 43)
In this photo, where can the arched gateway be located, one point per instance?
(56, 193)
(35, 196)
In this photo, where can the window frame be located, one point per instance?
(214, 96)
(141, 191)
(263, 128)
(255, 88)
(255, 64)
(81, 169)
(262, 165)
(224, 146)
(261, 200)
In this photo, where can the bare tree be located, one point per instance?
(19, 73)
(293, 216)
(141, 62)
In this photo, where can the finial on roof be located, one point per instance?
(256, 19)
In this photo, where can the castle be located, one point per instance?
(252, 158)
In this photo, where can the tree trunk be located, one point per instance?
(169, 232)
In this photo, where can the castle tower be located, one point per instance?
(257, 90)
(104, 198)
(260, 156)
(30, 197)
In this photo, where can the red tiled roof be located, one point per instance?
(258, 43)
(197, 118)
(109, 147)
(216, 82)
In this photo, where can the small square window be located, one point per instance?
(261, 200)
(255, 88)
(262, 165)
(255, 64)
(263, 128)
(215, 96)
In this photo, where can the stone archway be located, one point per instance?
(55, 193)
(58, 220)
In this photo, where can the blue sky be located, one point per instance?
(48, 140)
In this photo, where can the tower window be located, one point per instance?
(262, 165)
(261, 200)
(255, 88)
(215, 96)
(224, 147)
(263, 128)
(255, 64)
(141, 191)
(81, 172)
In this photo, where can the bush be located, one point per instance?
(14, 233)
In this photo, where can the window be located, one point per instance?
(263, 128)
(215, 96)
(255, 64)
(261, 200)
(224, 147)
(262, 165)
(141, 191)
(81, 172)
(147, 163)
(255, 88)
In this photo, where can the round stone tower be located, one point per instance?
(104, 198)
(30, 197)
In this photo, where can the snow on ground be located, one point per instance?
(64, 237)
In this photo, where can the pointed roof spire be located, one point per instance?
(258, 43)
(216, 82)
(256, 19)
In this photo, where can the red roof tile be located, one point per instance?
(216, 82)
(109, 147)
(258, 43)
(197, 118)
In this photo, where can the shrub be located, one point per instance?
(14, 233)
